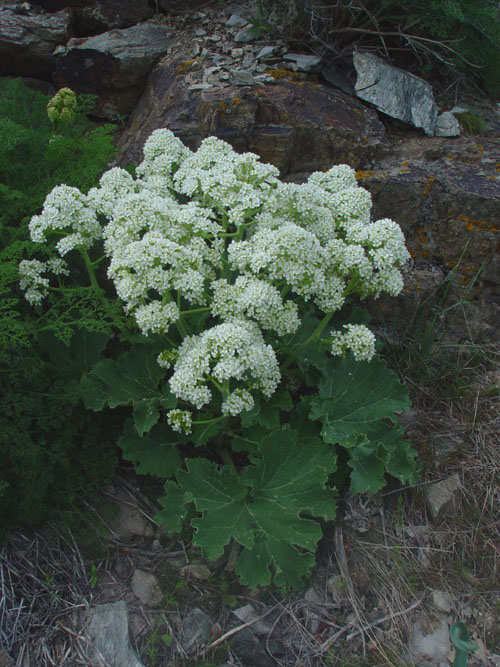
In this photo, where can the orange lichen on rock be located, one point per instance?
(361, 174)
(427, 189)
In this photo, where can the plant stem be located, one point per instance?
(90, 270)
(226, 458)
(312, 337)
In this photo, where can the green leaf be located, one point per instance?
(146, 414)
(83, 352)
(290, 566)
(263, 508)
(175, 508)
(354, 396)
(219, 495)
(367, 470)
(203, 433)
(155, 454)
(133, 377)
(266, 413)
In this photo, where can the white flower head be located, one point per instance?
(357, 338)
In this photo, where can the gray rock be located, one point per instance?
(196, 630)
(247, 614)
(27, 42)
(117, 60)
(265, 52)
(235, 21)
(430, 641)
(107, 629)
(442, 496)
(245, 35)
(146, 587)
(304, 63)
(394, 92)
(441, 601)
(242, 77)
(447, 125)
(250, 650)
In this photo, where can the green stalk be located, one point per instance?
(226, 458)
(312, 337)
(90, 271)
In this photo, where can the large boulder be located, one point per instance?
(113, 65)
(297, 125)
(28, 40)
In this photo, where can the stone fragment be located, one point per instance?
(265, 52)
(447, 125)
(441, 600)
(237, 52)
(394, 92)
(235, 21)
(245, 35)
(200, 32)
(196, 630)
(102, 15)
(27, 41)
(107, 629)
(242, 77)
(196, 571)
(247, 614)
(146, 587)
(130, 521)
(442, 496)
(249, 650)
(304, 63)
(312, 619)
(430, 641)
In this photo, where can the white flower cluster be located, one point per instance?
(357, 338)
(33, 283)
(228, 352)
(256, 299)
(67, 209)
(180, 420)
(217, 231)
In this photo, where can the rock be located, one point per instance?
(196, 630)
(130, 521)
(247, 613)
(245, 35)
(430, 641)
(235, 21)
(107, 629)
(337, 587)
(394, 92)
(146, 587)
(242, 77)
(265, 52)
(442, 496)
(97, 17)
(195, 571)
(114, 64)
(250, 650)
(27, 42)
(304, 63)
(312, 619)
(441, 601)
(447, 125)
(298, 128)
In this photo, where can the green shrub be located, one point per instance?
(50, 449)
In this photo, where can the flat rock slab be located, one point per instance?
(442, 496)
(296, 125)
(113, 64)
(27, 41)
(107, 629)
(395, 92)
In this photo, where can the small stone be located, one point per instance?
(146, 587)
(441, 601)
(442, 496)
(196, 630)
(447, 125)
(108, 632)
(304, 63)
(237, 53)
(264, 78)
(336, 586)
(200, 32)
(247, 613)
(430, 641)
(312, 619)
(242, 78)
(265, 52)
(244, 35)
(236, 21)
(196, 571)
(201, 86)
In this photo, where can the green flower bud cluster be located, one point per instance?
(61, 108)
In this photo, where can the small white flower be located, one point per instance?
(357, 338)
(180, 420)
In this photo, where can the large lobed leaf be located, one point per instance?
(266, 509)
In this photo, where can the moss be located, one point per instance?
(472, 123)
